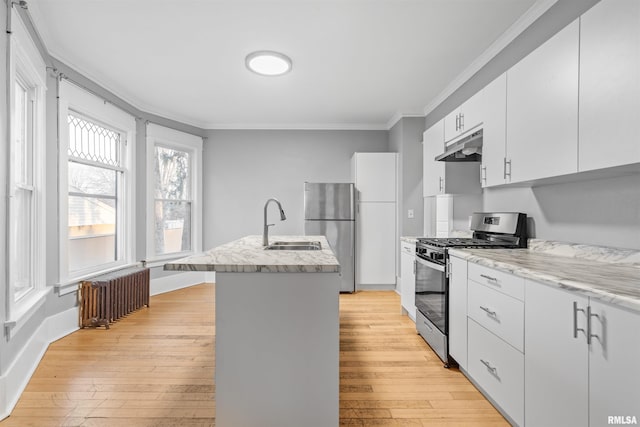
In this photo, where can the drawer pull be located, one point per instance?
(493, 279)
(489, 312)
(490, 368)
(428, 326)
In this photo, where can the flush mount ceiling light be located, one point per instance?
(268, 63)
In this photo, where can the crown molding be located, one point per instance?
(528, 18)
(295, 126)
(399, 115)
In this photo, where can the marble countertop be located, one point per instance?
(409, 239)
(247, 255)
(607, 274)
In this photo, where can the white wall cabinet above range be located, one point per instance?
(374, 175)
(494, 140)
(542, 110)
(445, 177)
(609, 85)
(465, 118)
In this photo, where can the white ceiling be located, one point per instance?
(356, 63)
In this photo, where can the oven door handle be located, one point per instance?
(430, 264)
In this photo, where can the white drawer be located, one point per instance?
(408, 248)
(498, 280)
(501, 314)
(498, 369)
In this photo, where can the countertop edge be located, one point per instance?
(550, 279)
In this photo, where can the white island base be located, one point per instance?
(277, 349)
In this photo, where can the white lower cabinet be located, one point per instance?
(495, 311)
(556, 362)
(498, 369)
(458, 310)
(408, 279)
(614, 364)
(572, 382)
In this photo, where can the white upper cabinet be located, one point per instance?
(609, 84)
(464, 118)
(494, 132)
(372, 172)
(445, 177)
(542, 110)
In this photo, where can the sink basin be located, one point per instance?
(294, 246)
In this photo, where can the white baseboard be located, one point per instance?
(174, 282)
(17, 376)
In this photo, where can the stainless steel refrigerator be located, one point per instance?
(330, 210)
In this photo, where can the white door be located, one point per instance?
(433, 171)
(609, 84)
(614, 363)
(452, 125)
(472, 112)
(556, 362)
(458, 311)
(494, 138)
(375, 176)
(542, 109)
(376, 237)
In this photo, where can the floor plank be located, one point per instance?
(155, 367)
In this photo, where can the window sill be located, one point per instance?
(71, 285)
(24, 310)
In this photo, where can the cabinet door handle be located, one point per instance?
(492, 369)
(589, 329)
(575, 320)
(488, 311)
(457, 122)
(441, 184)
(414, 266)
(483, 174)
(507, 174)
(461, 121)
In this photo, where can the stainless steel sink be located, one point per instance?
(294, 246)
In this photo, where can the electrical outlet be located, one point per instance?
(410, 213)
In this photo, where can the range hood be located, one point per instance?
(466, 149)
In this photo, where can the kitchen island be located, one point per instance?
(277, 332)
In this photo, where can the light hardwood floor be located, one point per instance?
(155, 368)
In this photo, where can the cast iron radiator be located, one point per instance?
(106, 298)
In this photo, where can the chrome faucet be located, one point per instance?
(265, 234)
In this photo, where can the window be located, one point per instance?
(26, 241)
(96, 201)
(174, 187)
(94, 171)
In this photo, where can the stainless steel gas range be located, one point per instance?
(491, 230)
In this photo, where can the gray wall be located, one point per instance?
(599, 212)
(405, 138)
(3, 181)
(243, 168)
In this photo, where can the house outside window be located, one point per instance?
(174, 186)
(97, 207)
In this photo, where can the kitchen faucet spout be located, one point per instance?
(265, 234)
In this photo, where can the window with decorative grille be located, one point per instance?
(95, 176)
